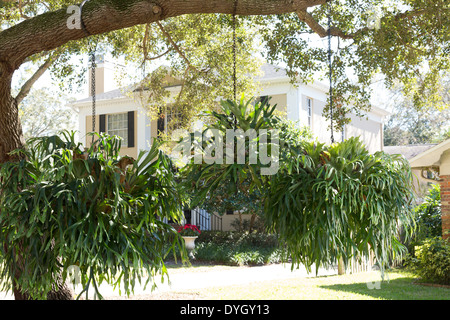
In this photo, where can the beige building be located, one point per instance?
(118, 113)
(437, 159)
(423, 179)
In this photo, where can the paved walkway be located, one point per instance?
(203, 277)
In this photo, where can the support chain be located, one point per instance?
(92, 50)
(330, 65)
(234, 52)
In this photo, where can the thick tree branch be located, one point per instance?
(30, 82)
(49, 31)
(304, 16)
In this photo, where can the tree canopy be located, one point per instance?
(410, 123)
(195, 42)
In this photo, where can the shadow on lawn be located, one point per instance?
(396, 289)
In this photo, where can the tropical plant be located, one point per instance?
(241, 117)
(242, 197)
(325, 202)
(410, 42)
(337, 201)
(62, 205)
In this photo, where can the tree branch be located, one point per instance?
(25, 90)
(304, 16)
(174, 45)
(144, 47)
(49, 30)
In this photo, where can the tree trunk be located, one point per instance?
(341, 267)
(11, 138)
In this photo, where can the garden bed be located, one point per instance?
(237, 249)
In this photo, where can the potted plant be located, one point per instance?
(189, 233)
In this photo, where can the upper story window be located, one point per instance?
(117, 125)
(309, 106)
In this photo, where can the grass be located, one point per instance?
(400, 286)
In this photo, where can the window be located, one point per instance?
(117, 125)
(187, 216)
(309, 106)
(168, 120)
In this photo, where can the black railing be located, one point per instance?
(205, 220)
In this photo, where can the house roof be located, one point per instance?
(431, 156)
(408, 151)
(269, 72)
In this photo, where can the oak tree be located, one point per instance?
(408, 39)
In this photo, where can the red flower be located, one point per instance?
(189, 230)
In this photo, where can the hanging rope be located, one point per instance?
(330, 66)
(92, 50)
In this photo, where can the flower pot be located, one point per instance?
(190, 242)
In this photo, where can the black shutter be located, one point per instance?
(264, 99)
(102, 124)
(131, 129)
(188, 215)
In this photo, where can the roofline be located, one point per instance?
(280, 79)
(88, 103)
(434, 153)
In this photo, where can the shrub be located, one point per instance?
(239, 248)
(432, 261)
(239, 238)
(429, 215)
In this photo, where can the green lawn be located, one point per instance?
(347, 287)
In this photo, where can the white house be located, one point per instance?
(120, 114)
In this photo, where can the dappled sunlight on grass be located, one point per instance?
(397, 286)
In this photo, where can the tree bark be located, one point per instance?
(49, 31)
(11, 138)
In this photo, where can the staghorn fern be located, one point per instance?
(339, 201)
(325, 202)
(62, 206)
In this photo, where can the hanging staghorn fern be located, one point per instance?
(61, 206)
(325, 202)
(339, 201)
